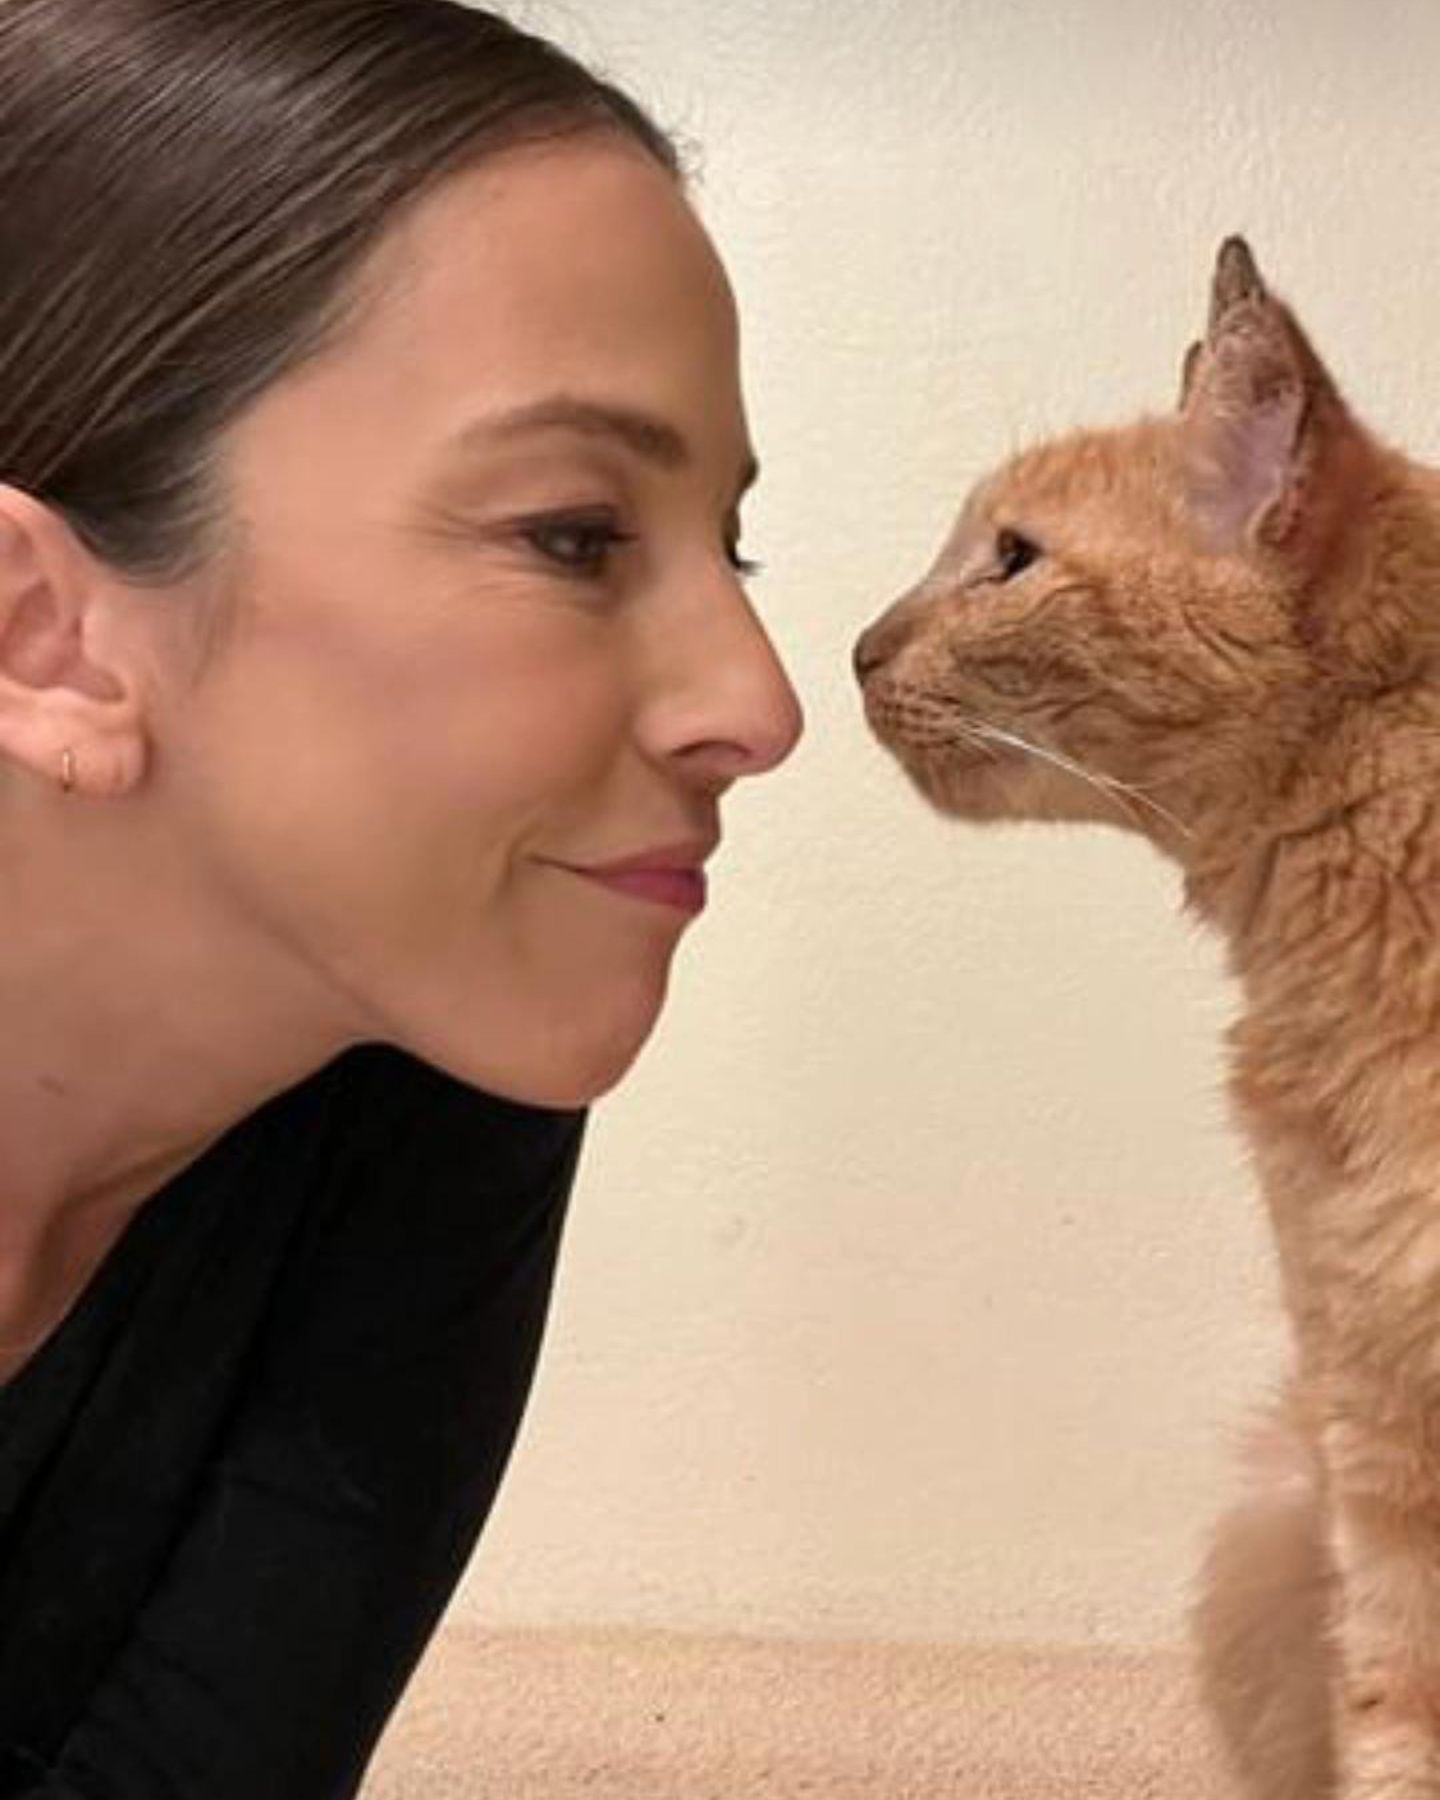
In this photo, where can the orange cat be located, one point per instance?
(1221, 629)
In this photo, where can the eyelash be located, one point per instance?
(602, 536)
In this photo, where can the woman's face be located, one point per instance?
(487, 638)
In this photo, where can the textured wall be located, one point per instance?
(915, 1281)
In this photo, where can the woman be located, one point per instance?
(373, 663)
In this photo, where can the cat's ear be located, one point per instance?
(1236, 279)
(1188, 371)
(1256, 410)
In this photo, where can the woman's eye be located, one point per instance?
(1014, 554)
(579, 546)
(583, 544)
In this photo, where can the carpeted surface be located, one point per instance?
(560, 1716)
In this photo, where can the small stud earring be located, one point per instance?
(67, 771)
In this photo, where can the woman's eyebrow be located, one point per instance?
(653, 439)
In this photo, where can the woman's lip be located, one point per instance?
(688, 857)
(681, 888)
(666, 875)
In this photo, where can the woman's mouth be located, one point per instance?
(673, 877)
(683, 889)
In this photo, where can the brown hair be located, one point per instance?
(185, 187)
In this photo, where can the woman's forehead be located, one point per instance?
(574, 271)
(585, 248)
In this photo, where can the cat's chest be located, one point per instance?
(1327, 1094)
(1355, 1218)
(1344, 1133)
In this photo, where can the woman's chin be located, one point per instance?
(562, 1059)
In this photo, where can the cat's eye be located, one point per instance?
(1014, 553)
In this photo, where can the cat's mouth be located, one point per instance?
(968, 764)
(915, 725)
(972, 767)
(959, 764)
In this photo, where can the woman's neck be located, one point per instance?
(142, 1018)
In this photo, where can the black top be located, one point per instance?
(239, 1483)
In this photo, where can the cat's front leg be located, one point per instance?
(1262, 1623)
(1385, 1546)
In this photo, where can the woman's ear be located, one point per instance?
(1259, 416)
(70, 702)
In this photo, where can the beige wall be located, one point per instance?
(915, 1281)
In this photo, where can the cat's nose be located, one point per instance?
(871, 651)
(891, 633)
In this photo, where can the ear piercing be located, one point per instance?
(67, 770)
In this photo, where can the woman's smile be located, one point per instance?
(672, 875)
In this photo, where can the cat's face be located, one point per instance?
(1074, 623)
(1121, 626)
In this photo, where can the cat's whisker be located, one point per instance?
(1143, 795)
(977, 740)
(1122, 792)
(1062, 762)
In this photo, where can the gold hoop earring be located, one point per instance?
(67, 771)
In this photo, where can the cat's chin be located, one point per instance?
(989, 793)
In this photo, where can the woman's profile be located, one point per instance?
(374, 661)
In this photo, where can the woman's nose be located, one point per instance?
(723, 706)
